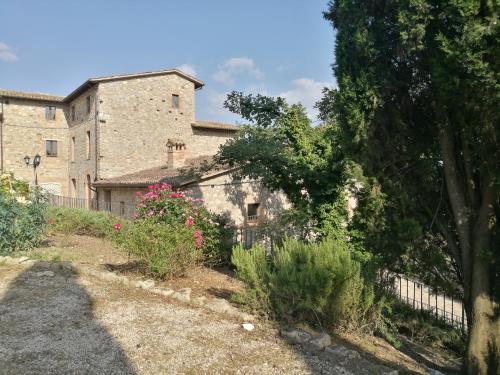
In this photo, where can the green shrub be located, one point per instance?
(83, 222)
(167, 250)
(22, 225)
(320, 284)
(424, 328)
(160, 204)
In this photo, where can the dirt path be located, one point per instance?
(62, 322)
(59, 323)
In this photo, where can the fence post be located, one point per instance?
(400, 287)
(463, 317)
(421, 297)
(437, 316)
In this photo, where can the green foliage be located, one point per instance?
(83, 222)
(22, 225)
(167, 250)
(417, 108)
(10, 186)
(424, 328)
(164, 206)
(294, 157)
(320, 284)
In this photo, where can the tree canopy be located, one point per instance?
(417, 108)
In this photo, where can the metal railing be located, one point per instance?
(423, 297)
(117, 208)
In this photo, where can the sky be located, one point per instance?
(279, 48)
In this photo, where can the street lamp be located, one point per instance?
(34, 164)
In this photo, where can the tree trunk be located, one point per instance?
(483, 349)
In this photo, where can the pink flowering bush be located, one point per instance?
(173, 230)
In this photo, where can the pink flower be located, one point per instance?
(151, 213)
(117, 227)
(190, 221)
(198, 239)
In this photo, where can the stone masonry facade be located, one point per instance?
(113, 126)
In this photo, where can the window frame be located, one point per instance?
(50, 151)
(255, 206)
(87, 138)
(176, 101)
(89, 104)
(48, 112)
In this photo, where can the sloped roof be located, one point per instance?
(162, 174)
(31, 95)
(91, 81)
(214, 125)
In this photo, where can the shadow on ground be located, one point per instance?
(47, 327)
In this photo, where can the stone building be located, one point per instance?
(115, 135)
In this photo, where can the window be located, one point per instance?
(107, 200)
(253, 211)
(73, 141)
(51, 148)
(175, 101)
(73, 113)
(73, 187)
(50, 112)
(88, 144)
(89, 103)
(122, 208)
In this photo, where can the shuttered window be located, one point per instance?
(50, 112)
(51, 148)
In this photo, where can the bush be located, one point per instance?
(167, 250)
(22, 225)
(320, 284)
(162, 205)
(83, 222)
(424, 328)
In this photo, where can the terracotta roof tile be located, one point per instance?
(214, 125)
(31, 95)
(156, 175)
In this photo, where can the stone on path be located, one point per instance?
(321, 341)
(248, 326)
(295, 336)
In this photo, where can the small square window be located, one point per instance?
(175, 101)
(50, 112)
(51, 148)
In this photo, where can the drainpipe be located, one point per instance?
(96, 152)
(1, 137)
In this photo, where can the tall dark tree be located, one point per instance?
(418, 108)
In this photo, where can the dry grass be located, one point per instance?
(153, 335)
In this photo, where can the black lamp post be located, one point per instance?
(34, 164)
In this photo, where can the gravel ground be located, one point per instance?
(60, 323)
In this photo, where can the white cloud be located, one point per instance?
(215, 103)
(188, 69)
(6, 53)
(237, 66)
(306, 91)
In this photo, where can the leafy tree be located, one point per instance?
(417, 108)
(285, 152)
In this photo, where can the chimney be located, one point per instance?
(176, 154)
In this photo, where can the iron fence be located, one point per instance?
(425, 298)
(122, 209)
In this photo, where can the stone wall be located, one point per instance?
(137, 118)
(25, 130)
(222, 195)
(83, 164)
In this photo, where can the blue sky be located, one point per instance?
(271, 47)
